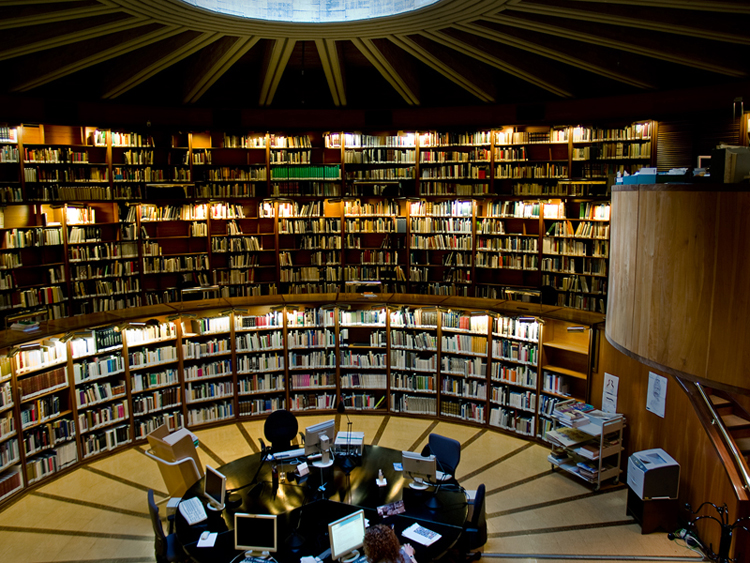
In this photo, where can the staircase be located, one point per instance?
(735, 420)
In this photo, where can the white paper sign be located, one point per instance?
(609, 393)
(656, 401)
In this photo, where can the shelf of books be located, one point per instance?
(303, 165)
(155, 383)
(104, 263)
(375, 257)
(363, 348)
(97, 220)
(243, 248)
(507, 248)
(463, 365)
(174, 241)
(312, 369)
(10, 457)
(586, 442)
(376, 164)
(455, 163)
(260, 359)
(309, 247)
(515, 368)
(100, 389)
(227, 166)
(441, 246)
(565, 365)
(206, 365)
(71, 397)
(48, 429)
(414, 360)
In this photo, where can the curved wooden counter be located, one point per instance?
(680, 277)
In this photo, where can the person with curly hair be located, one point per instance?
(382, 546)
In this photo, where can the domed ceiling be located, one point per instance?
(444, 53)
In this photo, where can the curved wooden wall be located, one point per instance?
(680, 279)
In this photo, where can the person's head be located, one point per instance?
(381, 544)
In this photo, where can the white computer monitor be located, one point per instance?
(319, 439)
(418, 469)
(347, 535)
(255, 533)
(214, 488)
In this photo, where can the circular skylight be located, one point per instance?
(311, 11)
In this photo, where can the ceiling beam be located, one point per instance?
(329, 57)
(214, 62)
(623, 21)
(74, 37)
(602, 41)
(101, 56)
(56, 16)
(699, 5)
(554, 54)
(387, 66)
(486, 58)
(167, 59)
(275, 65)
(441, 65)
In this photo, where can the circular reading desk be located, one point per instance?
(304, 510)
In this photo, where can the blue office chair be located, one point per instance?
(166, 547)
(280, 429)
(474, 535)
(448, 454)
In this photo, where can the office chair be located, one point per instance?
(166, 547)
(280, 429)
(448, 454)
(474, 535)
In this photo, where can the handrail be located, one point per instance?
(729, 442)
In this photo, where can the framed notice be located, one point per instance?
(609, 393)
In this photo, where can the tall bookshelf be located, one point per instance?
(228, 209)
(73, 396)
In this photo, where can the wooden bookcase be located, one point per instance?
(260, 213)
(78, 395)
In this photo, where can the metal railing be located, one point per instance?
(739, 460)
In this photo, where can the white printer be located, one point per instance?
(653, 474)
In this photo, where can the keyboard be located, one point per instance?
(254, 559)
(192, 510)
(289, 454)
(419, 534)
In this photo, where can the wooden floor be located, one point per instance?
(99, 512)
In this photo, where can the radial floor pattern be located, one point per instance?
(99, 512)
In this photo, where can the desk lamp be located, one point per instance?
(347, 465)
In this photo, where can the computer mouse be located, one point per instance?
(204, 535)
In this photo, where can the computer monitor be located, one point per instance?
(418, 468)
(214, 488)
(319, 439)
(347, 535)
(255, 533)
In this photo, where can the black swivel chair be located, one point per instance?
(474, 535)
(448, 454)
(166, 547)
(280, 429)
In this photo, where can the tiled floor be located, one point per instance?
(98, 512)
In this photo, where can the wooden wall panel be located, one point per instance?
(680, 279)
(622, 273)
(703, 475)
(729, 351)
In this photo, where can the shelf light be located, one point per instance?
(576, 328)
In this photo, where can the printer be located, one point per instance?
(653, 474)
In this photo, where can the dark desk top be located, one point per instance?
(302, 507)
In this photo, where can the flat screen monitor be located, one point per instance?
(255, 533)
(418, 468)
(214, 488)
(319, 439)
(347, 535)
